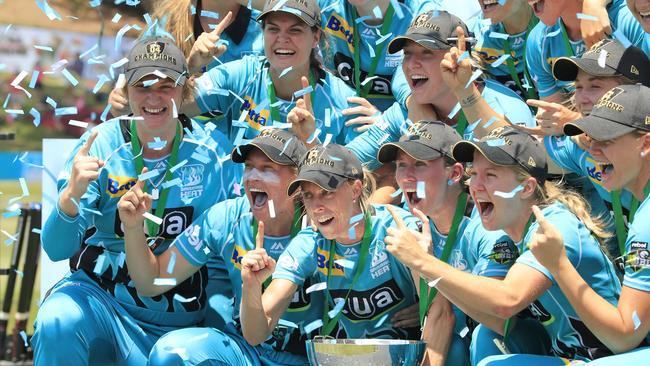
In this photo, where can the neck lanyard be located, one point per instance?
(462, 124)
(446, 252)
(295, 229)
(506, 326)
(530, 92)
(387, 21)
(275, 114)
(152, 227)
(567, 42)
(621, 230)
(329, 324)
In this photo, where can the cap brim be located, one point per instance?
(240, 153)
(300, 15)
(397, 44)
(388, 152)
(463, 152)
(135, 75)
(599, 129)
(326, 181)
(566, 68)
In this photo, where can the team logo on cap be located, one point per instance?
(596, 47)
(154, 52)
(606, 100)
(634, 70)
(313, 157)
(531, 162)
(421, 22)
(647, 120)
(416, 130)
(499, 133)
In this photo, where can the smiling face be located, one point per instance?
(154, 103)
(590, 88)
(619, 159)
(548, 11)
(641, 11)
(288, 41)
(265, 180)
(496, 212)
(331, 211)
(421, 67)
(497, 13)
(410, 171)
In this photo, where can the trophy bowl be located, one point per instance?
(363, 352)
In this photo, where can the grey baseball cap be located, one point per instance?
(431, 30)
(630, 62)
(424, 140)
(328, 167)
(281, 146)
(623, 109)
(507, 146)
(307, 10)
(156, 55)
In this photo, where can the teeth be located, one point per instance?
(256, 190)
(490, 2)
(284, 52)
(153, 110)
(644, 13)
(410, 190)
(324, 218)
(418, 77)
(533, 2)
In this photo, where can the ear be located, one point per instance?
(645, 145)
(357, 189)
(317, 35)
(456, 172)
(530, 185)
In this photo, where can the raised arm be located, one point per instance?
(260, 313)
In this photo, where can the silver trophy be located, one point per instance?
(363, 352)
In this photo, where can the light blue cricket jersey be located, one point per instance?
(337, 20)
(240, 90)
(478, 251)
(545, 44)
(637, 268)
(242, 37)
(204, 179)
(384, 288)
(569, 156)
(393, 123)
(570, 337)
(490, 47)
(225, 230)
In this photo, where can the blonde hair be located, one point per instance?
(179, 21)
(550, 193)
(369, 186)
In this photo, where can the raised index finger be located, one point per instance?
(85, 148)
(398, 220)
(542, 104)
(539, 217)
(461, 39)
(307, 96)
(223, 24)
(259, 239)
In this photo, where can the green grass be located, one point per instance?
(11, 189)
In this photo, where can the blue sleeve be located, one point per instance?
(538, 68)
(206, 236)
(400, 87)
(637, 268)
(504, 101)
(231, 172)
(570, 229)
(564, 152)
(623, 21)
(298, 261)
(388, 129)
(62, 235)
(214, 90)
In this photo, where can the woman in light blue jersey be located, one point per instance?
(432, 185)
(367, 293)
(442, 88)
(94, 315)
(256, 92)
(507, 177)
(620, 134)
(267, 216)
(559, 34)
